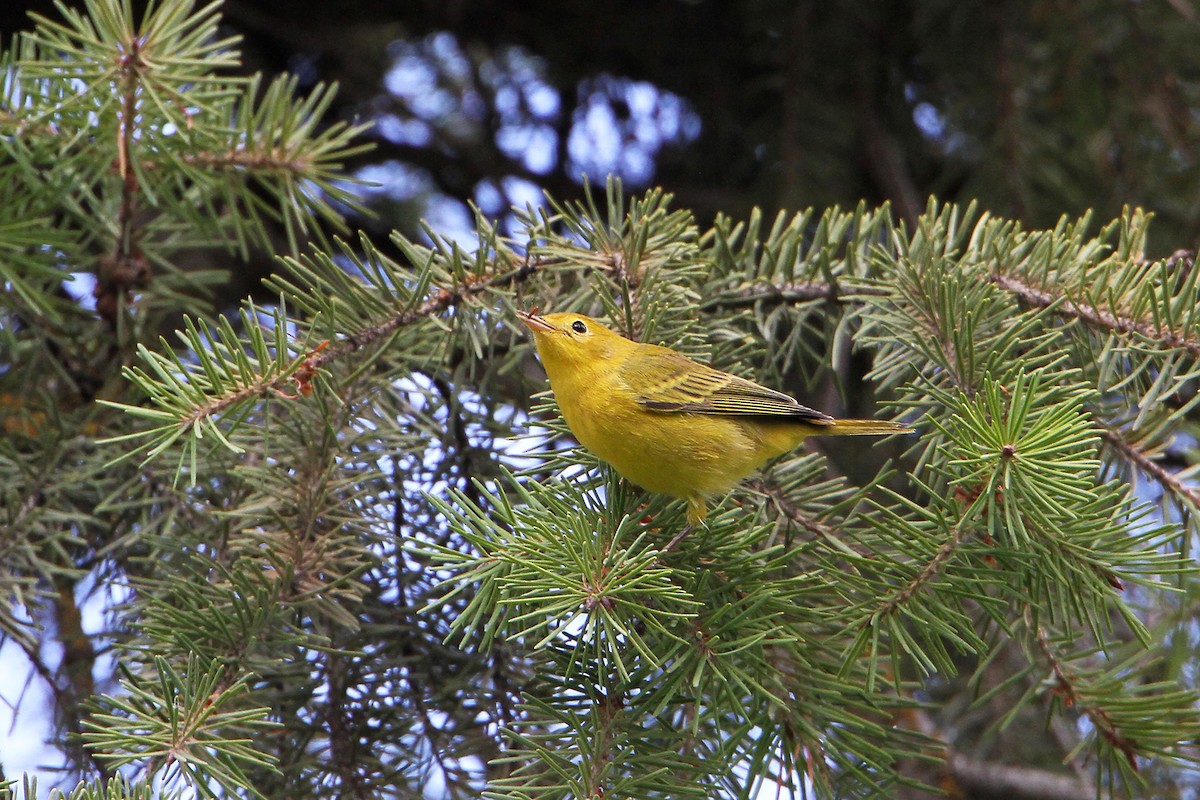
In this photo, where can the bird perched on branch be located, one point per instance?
(668, 423)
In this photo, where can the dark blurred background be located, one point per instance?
(1035, 108)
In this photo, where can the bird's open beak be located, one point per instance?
(534, 322)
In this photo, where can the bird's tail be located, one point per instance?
(861, 427)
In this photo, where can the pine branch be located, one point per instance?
(785, 503)
(770, 295)
(188, 728)
(1131, 716)
(1183, 490)
(1108, 320)
(358, 510)
(438, 301)
(930, 571)
(1068, 687)
(191, 398)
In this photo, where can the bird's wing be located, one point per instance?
(666, 381)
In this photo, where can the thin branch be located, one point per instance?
(248, 159)
(1041, 298)
(929, 572)
(1169, 481)
(1065, 687)
(811, 524)
(770, 294)
(1008, 118)
(124, 268)
(884, 156)
(1159, 87)
(967, 777)
(987, 779)
(1065, 732)
(795, 63)
(437, 302)
(609, 708)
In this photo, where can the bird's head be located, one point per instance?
(571, 341)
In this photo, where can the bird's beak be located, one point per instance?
(534, 322)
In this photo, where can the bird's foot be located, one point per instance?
(679, 537)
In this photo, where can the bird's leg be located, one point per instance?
(679, 537)
(697, 511)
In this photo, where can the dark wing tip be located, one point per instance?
(662, 405)
(806, 414)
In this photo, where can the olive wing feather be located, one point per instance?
(665, 381)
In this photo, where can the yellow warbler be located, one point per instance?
(668, 423)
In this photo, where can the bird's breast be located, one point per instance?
(677, 454)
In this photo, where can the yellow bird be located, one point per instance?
(668, 423)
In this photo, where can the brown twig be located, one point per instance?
(125, 268)
(781, 294)
(930, 571)
(1101, 318)
(439, 301)
(1168, 480)
(684, 532)
(989, 779)
(1065, 687)
(609, 709)
(793, 513)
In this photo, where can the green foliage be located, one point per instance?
(189, 395)
(184, 725)
(118, 788)
(332, 555)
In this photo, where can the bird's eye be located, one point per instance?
(578, 327)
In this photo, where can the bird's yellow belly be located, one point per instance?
(677, 454)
